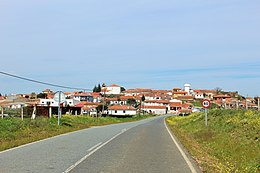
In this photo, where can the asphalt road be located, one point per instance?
(143, 146)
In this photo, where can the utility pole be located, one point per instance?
(104, 96)
(22, 112)
(258, 103)
(2, 112)
(246, 105)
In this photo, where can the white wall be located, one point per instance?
(121, 112)
(113, 90)
(155, 111)
(53, 103)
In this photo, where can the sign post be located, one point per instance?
(206, 105)
(59, 97)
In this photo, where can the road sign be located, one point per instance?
(59, 96)
(206, 103)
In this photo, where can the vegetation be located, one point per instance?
(97, 88)
(198, 104)
(42, 95)
(230, 142)
(15, 132)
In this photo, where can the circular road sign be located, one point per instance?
(206, 103)
(61, 95)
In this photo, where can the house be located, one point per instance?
(53, 103)
(201, 94)
(156, 102)
(137, 91)
(88, 108)
(83, 96)
(121, 110)
(159, 110)
(177, 94)
(111, 89)
(175, 105)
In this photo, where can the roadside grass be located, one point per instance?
(15, 132)
(230, 142)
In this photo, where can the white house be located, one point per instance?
(111, 89)
(159, 110)
(53, 103)
(121, 110)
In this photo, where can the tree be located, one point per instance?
(143, 98)
(131, 102)
(33, 95)
(219, 90)
(95, 89)
(122, 89)
(42, 95)
(100, 107)
(99, 88)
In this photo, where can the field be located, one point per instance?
(230, 142)
(15, 132)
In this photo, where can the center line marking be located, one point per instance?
(95, 146)
(93, 151)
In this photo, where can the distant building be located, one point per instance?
(121, 110)
(112, 89)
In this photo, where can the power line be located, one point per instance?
(44, 83)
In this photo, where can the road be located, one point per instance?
(143, 146)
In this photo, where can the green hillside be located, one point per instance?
(230, 142)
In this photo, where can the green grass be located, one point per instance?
(230, 143)
(15, 132)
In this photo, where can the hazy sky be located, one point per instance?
(159, 44)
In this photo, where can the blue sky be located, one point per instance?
(159, 44)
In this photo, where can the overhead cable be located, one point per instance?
(44, 83)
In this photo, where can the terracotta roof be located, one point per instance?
(221, 96)
(83, 94)
(157, 101)
(180, 92)
(114, 85)
(185, 111)
(84, 103)
(121, 107)
(124, 98)
(154, 107)
(175, 104)
(185, 97)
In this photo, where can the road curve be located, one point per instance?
(143, 146)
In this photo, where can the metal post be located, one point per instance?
(50, 112)
(258, 103)
(59, 113)
(206, 117)
(22, 112)
(2, 111)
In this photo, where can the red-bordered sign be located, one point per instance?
(206, 103)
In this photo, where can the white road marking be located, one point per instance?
(181, 151)
(95, 146)
(93, 151)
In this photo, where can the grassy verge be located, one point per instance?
(230, 142)
(15, 132)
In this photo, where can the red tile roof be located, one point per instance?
(114, 85)
(121, 107)
(175, 104)
(153, 107)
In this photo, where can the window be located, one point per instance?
(115, 111)
(124, 111)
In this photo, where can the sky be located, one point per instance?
(157, 44)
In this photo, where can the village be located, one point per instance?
(115, 100)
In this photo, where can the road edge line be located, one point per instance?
(187, 160)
